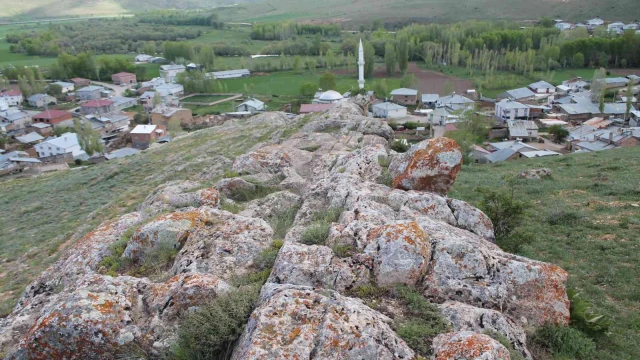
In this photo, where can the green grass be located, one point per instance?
(595, 239)
(206, 98)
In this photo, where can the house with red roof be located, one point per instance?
(123, 78)
(12, 97)
(97, 106)
(52, 117)
(80, 82)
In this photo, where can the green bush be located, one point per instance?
(411, 125)
(399, 146)
(114, 262)
(584, 318)
(562, 217)
(344, 251)
(230, 206)
(507, 213)
(260, 191)
(311, 148)
(156, 260)
(316, 234)
(513, 353)
(385, 178)
(564, 341)
(384, 161)
(229, 174)
(282, 222)
(211, 331)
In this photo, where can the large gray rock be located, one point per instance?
(347, 116)
(535, 174)
(272, 206)
(472, 219)
(296, 322)
(467, 345)
(318, 267)
(465, 317)
(176, 195)
(230, 186)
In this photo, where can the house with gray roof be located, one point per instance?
(120, 153)
(455, 102)
(91, 92)
(404, 96)
(429, 100)
(66, 86)
(388, 110)
(41, 100)
(229, 74)
(542, 87)
(252, 105)
(508, 109)
(522, 129)
(170, 72)
(16, 119)
(519, 94)
(30, 138)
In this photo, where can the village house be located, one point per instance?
(41, 100)
(121, 102)
(30, 138)
(229, 74)
(143, 58)
(108, 123)
(608, 139)
(455, 102)
(64, 147)
(163, 114)
(143, 135)
(91, 92)
(313, 108)
(170, 89)
(98, 106)
(539, 154)
(12, 97)
(170, 72)
(520, 94)
(80, 82)
(15, 119)
(506, 150)
(542, 87)
(404, 96)
(522, 129)
(615, 82)
(52, 117)
(151, 84)
(429, 100)
(123, 78)
(631, 26)
(634, 120)
(595, 21)
(443, 115)
(66, 86)
(562, 26)
(252, 106)
(507, 109)
(580, 111)
(388, 110)
(41, 128)
(576, 84)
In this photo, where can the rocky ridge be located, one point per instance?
(407, 234)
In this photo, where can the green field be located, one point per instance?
(585, 219)
(206, 98)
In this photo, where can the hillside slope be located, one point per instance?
(356, 11)
(586, 219)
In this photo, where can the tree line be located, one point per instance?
(178, 18)
(288, 29)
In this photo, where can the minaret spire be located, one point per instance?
(361, 66)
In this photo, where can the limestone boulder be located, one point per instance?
(364, 163)
(170, 231)
(463, 317)
(535, 174)
(345, 117)
(92, 321)
(172, 195)
(230, 186)
(401, 252)
(225, 247)
(472, 219)
(271, 159)
(296, 322)
(273, 206)
(318, 267)
(468, 269)
(466, 345)
(431, 165)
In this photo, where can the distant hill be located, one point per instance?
(350, 11)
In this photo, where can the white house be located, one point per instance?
(576, 84)
(455, 102)
(389, 110)
(615, 26)
(170, 72)
(252, 106)
(631, 26)
(143, 58)
(66, 86)
(64, 144)
(510, 110)
(12, 97)
(41, 100)
(170, 89)
(522, 129)
(595, 21)
(229, 74)
(518, 94)
(542, 87)
(562, 26)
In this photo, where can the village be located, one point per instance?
(102, 121)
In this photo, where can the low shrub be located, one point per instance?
(385, 178)
(311, 148)
(156, 260)
(513, 353)
(399, 146)
(229, 174)
(316, 234)
(282, 222)
(564, 341)
(584, 318)
(344, 251)
(384, 161)
(260, 191)
(563, 217)
(114, 262)
(212, 330)
(230, 206)
(412, 125)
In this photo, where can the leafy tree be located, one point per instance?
(597, 85)
(157, 99)
(369, 59)
(390, 58)
(330, 58)
(88, 138)
(559, 133)
(54, 90)
(207, 57)
(507, 214)
(297, 64)
(381, 89)
(149, 48)
(308, 89)
(403, 52)
(24, 87)
(141, 73)
(328, 81)
(546, 22)
(448, 87)
(578, 60)
(409, 81)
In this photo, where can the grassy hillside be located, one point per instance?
(587, 220)
(357, 10)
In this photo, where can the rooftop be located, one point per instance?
(124, 74)
(97, 103)
(10, 93)
(172, 67)
(404, 92)
(541, 85)
(500, 155)
(388, 106)
(65, 141)
(254, 103)
(430, 97)
(51, 114)
(519, 93)
(143, 129)
(231, 72)
(63, 83)
(90, 88)
(540, 153)
(307, 108)
(511, 104)
(120, 153)
(29, 138)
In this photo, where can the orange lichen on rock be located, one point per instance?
(468, 345)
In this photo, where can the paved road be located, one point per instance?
(117, 90)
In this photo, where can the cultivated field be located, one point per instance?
(586, 219)
(432, 82)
